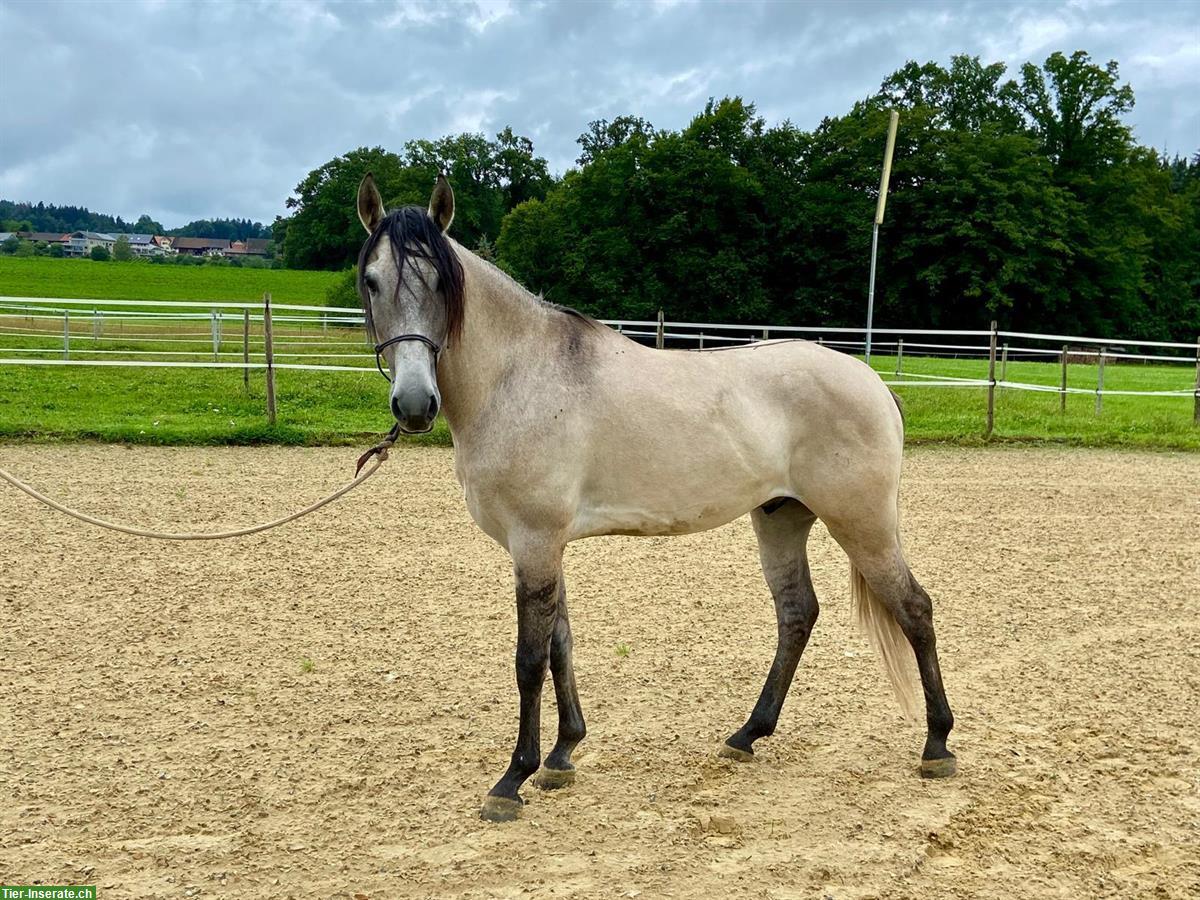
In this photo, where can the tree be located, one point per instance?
(1074, 108)
(10, 245)
(604, 135)
(99, 253)
(56, 251)
(121, 251)
(966, 97)
(147, 225)
(489, 178)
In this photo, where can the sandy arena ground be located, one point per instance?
(161, 737)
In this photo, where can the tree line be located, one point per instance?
(47, 217)
(1024, 199)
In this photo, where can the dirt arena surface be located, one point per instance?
(161, 734)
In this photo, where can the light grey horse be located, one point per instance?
(564, 429)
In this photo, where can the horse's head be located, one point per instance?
(411, 285)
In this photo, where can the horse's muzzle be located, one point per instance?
(415, 411)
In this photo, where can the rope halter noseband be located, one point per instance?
(379, 348)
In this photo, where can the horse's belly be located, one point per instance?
(651, 522)
(676, 500)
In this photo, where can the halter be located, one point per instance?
(379, 348)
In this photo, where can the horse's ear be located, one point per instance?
(370, 204)
(441, 203)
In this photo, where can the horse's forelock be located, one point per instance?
(413, 234)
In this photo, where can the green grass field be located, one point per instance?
(211, 406)
(138, 280)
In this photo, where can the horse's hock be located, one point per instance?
(318, 711)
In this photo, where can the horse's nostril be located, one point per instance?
(396, 409)
(433, 406)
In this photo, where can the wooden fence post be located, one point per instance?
(1100, 382)
(1062, 397)
(660, 335)
(66, 334)
(1004, 362)
(246, 349)
(1196, 407)
(991, 406)
(766, 334)
(270, 354)
(899, 354)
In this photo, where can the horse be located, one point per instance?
(565, 429)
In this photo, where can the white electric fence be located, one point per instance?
(266, 336)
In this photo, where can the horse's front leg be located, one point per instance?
(558, 770)
(538, 578)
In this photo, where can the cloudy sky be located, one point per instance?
(187, 110)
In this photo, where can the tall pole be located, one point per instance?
(879, 206)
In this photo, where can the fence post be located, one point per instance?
(216, 335)
(1062, 397)
(269, 349)
(246, 349)
(660, 335)
(1100, 382)
(899, 354)
(1004, 362)
(1196, 407)
(66, 334)
(702, 340)
(96, 324)
(991, 408)
(766, 334)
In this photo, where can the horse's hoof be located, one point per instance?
(553, 779)
(500, 809)
(734, 753)
(939, 768)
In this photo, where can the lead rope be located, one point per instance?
(377, 455)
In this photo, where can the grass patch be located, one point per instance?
(139, 280)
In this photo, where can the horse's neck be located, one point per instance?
(502, 322)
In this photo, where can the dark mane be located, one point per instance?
(413, 234)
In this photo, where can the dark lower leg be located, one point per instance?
(536, 611)
(796, 611)
(916, 620)
(571, 729)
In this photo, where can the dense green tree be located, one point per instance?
(121, 251)
(99, 253)
(1024, 201)
(489, 178)
(147, 225)
(1074, 107)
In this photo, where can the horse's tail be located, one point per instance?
(876, 621)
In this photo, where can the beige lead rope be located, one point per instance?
(379, 452)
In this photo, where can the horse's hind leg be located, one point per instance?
(558, 771)
(894, 609)
(782, 536)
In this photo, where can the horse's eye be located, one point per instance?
(372, 285)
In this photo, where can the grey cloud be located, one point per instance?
(187, 109)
